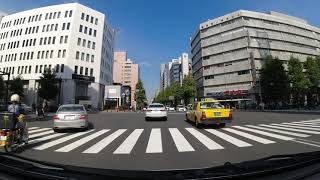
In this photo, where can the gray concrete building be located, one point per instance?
(228, 52)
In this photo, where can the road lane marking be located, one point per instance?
(45, 138)
(104, 142)
(155, 142)
(291, 129)
(314, 120)
(32, 128)
(249, 136)
(303, 125)
(228, 138)
(127, 145)
(210, 144)
(280, 131)
(311, 123)
(82, 141)
(61, 140)
(307, 143)
(265, 133)
(39, 130)
(299, 127)
(180, 141)
(41, 134)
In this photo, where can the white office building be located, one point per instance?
(73, 40)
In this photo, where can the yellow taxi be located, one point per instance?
(207, 112)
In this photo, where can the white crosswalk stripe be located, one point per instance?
(41, 134)
(32, 128)
(155, 141)
(249, 136)
(82, 141)
(61, 140)
(39, 130)
(228, 138)
(180, 141)
(291, 129)
(265, 133)
(210, 144)
(127, 146)
(33, 141)
(280, 131)
(311, 123)
(314, 120)
(104, 142)
(299, 127)
(302, 125)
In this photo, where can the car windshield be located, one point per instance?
(159, 85)
(210, 105)
(70, 109)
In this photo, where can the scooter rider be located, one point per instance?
(18, 112)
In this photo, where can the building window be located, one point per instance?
(80, 28)
(52, 26)
(77, 54)
(40, 69)
(54, 15)
(51, 54)
(79, 42)
(87, 18)
(96, 21)
(68, 26)
(86, 72)
(95, 33)
(93, 45)
(76, 69)
(87, 57)
(91, 71)
(65, 39)
(66, 14)
(29, 69)
(82, 16)
(82, 56)
(62, 68)
(61, 39)
(45, 41)
(59, 13)
(92, 58)
(56, 27)
(49, 40)
(90, 31)
(47, 54)
(42, 54)
(50, 16)
(38, 56)
(57, 68)
(59, 53)
(63, 26)
(53, 40)
(36, 70)
(70, 13)
(243, 72)
(89, 44)
(85, 30)
(64, 53)
(81, 70)
(83, 42)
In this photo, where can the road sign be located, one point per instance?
(171, 97)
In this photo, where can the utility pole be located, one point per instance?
(7, 90)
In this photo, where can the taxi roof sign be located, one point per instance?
(208, 99)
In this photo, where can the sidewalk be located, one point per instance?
(302, 111)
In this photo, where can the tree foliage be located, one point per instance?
(274, 81)
(312, 72)
(188, 89)
(16, 86)
(48, 85)
(140, 95)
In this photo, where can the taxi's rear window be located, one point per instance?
(210, 105)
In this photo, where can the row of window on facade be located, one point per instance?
(30, 55)
(84, 56)
(87, 17)
(35, 18)
(38, 69)
(87, 30)
(35, 29)
(238, 72)
(32, 42)
(83, 70)
(86, 43)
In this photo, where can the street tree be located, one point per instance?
(188, 89)
(313, 75)
(16, 86)
(298, 80)
(48, 85)
(140, 95)
(176, 92)
(2, 88)
(274, 81)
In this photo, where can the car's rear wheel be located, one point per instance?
(146, 118)
(165, 118)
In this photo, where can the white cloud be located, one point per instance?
(3, 13)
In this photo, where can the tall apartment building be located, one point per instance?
(179, 68)
(73, 40)
(126, 73)
(228, 52)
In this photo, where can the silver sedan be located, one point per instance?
(156, 110)
(70, 116)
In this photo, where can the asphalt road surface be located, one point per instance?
(127, 141)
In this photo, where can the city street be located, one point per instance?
(126, 141)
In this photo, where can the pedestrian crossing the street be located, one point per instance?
(189, 139)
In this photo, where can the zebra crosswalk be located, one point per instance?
(188, 139)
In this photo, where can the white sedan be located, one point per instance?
(156, 111)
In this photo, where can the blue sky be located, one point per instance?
(153, 32)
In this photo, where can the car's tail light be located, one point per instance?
(3, 133)
(55, 117)
(163, 110)
(83, 117)
(203, 115)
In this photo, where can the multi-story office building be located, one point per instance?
(228, 52)
(73, 40)
(179, 68)
(126, 73)
(163, 76)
